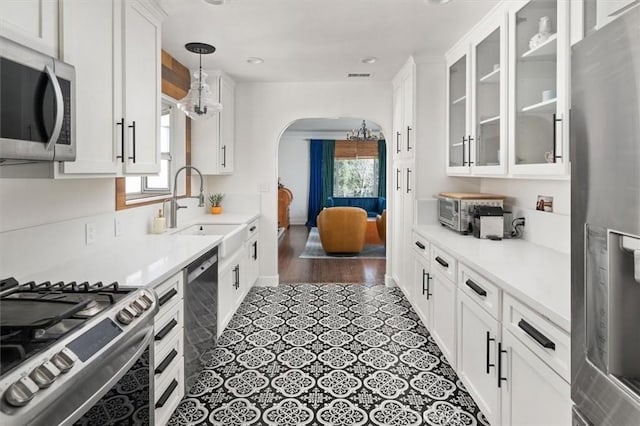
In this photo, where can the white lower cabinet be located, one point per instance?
(532, 393)
(422, 294)
(478, 334)
(230, 276)
(168, 349)
(443, 315)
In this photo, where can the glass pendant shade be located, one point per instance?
(199, 103)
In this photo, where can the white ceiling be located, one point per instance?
(315, 40)
(330, 125)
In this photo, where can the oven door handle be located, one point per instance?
(57, 128)
(140, 346)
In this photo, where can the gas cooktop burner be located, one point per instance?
(34, 316)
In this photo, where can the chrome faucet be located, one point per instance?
(173, 201)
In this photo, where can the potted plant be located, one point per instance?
(215, 200)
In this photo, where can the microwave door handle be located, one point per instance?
(57, 128)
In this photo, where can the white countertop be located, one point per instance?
(535, 275)
(141, 260)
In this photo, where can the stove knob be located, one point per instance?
(142, 301)
(21, 392)
(124, 317)
(64, 360)
(147, 299)
(45, 374)
(137, 308)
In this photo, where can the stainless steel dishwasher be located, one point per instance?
(200, 312)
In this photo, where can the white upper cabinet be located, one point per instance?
(115, 48)
(404, 99)
(33, 23)
(141, 88)
(539, 89)
(212, 140)
(477, 101)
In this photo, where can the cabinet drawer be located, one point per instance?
(167, 329)
(419, 244)
(167, 394)
(165, 354)
(544, 338)
(443, 262)
(480, 289)
(169, 292)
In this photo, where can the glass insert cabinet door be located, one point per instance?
(489, 101)
(539, 96)
(458, 151)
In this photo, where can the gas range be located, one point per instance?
(61, 339)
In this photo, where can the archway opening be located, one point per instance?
(324, 165)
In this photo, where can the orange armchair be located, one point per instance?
(381, 224)
(342, 229)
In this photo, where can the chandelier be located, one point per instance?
(199, 102)
(363, 134)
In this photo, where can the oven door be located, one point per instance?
(128, 392)
(36, 105)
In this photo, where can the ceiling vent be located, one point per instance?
(359, 75)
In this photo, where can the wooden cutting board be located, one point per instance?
(471, 196)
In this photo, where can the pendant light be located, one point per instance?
(199, 103)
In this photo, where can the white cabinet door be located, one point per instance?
(408, 197)
(443, 317)
(458, 112)
(477, 345)
(397, 121)
(397, 216)
(90, 41)
(33, 23)
(532, 393)
(422, 294)
(408, 109)
(539, 95)
(141, 89)
(226, 296)
(608, 10)
(227, 123)
(252, 265)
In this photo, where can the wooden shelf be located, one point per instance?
(490, 120)
(546, 106)
(491, 78)
(459, 100)
(547, 51)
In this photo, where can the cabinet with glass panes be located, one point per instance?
(539, 68)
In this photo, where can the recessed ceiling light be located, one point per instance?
(215, 2)
(255, 60)
(369, 60)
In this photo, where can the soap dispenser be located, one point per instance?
(159, 223)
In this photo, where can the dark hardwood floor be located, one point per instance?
(292, 269)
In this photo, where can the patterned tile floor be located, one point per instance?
(327, 354)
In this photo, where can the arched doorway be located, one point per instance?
(351, 173)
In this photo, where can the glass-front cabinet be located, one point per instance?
(458, 114)
(539, 92)
(476, 105)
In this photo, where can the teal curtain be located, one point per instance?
(382, 168)
(315, 182)
(328, 158)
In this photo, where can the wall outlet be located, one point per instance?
(90, 233)
(117, 226)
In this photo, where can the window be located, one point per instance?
(356, 177)
(355, 169)
(151, 186)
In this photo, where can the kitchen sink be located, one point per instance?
(233, 235)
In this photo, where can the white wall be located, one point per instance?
(263, 112)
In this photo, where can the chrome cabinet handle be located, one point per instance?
(426, 275)
(57, 127)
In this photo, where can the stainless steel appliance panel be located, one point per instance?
(605, 207)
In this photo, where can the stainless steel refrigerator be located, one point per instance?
(605, 225)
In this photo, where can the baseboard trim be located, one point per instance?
(389, 281)
(268, 281)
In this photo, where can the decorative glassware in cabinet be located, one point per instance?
(536, 83)
(458, 148)
(488, 100)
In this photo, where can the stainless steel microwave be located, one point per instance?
(455, 210)
(37, 106)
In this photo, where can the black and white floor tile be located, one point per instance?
(327, 354)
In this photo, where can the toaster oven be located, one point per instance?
(455, 210)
